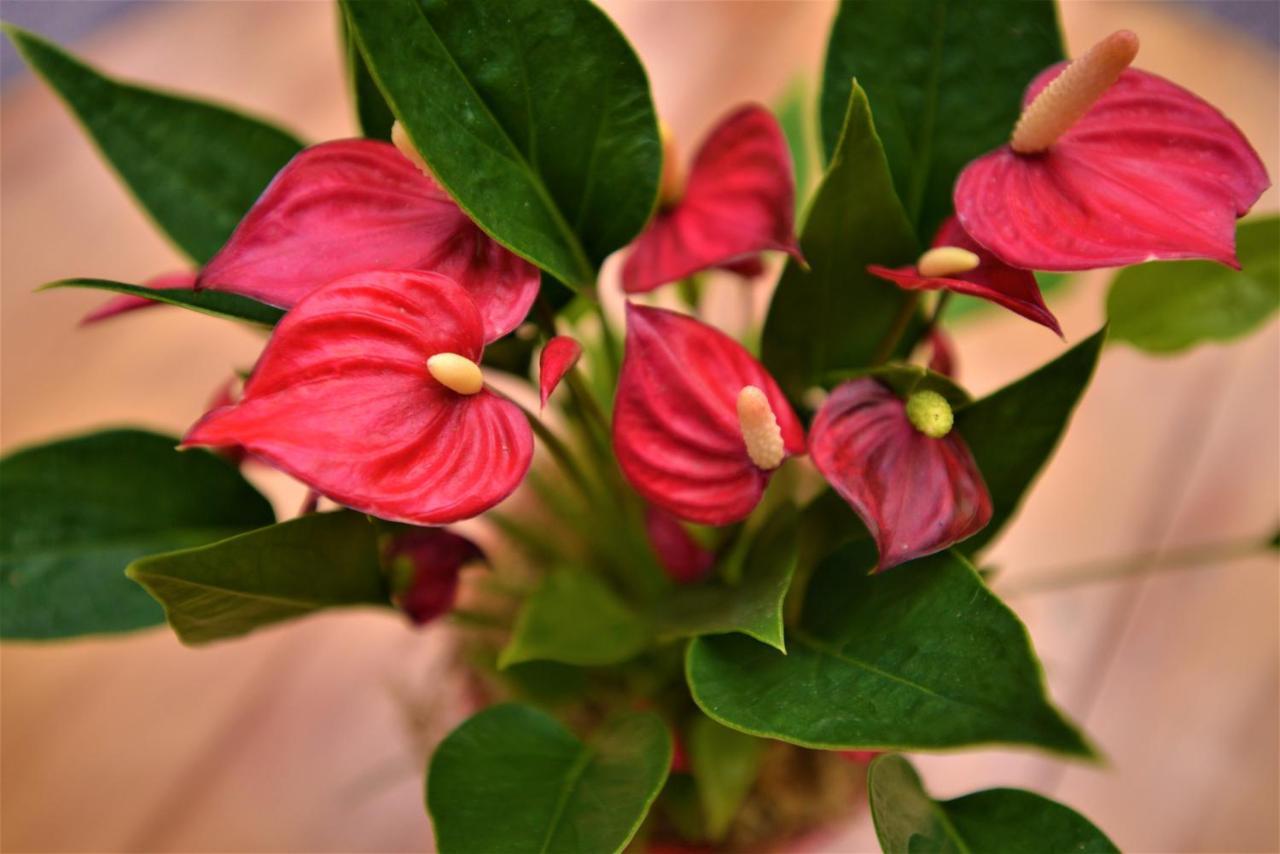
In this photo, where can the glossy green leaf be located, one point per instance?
(1010, 821)
(195, 166)
(724, 764)
(575, 618)
(834, 316)
(753, 606)
(290, 570)
(77, 511)
(372, 113)
(923, 656)
(534, 114)
(1168, 306)
(1013, 432)
(512, 780)
(216, 303)
(945, 81)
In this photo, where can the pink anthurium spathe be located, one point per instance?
(124, 303)
(738, 201)
(425, 564)
(355, 205)
(699, 426)
(901, 467)
(683, 558)
(370, 392)
(1111, 166)
(556, 360)
(960, 264)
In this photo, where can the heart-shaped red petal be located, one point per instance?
(915, 494)
(342, 400)
(739, 201)
(433, 558)
(1150, 172)
(676, 429)
(1015, 289)
(124, 303)
(557, 359)
(681, 556)
(355, 205)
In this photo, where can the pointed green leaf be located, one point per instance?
(923, 656)
(945, 81)
(833, 316)
(512, 780)
(215, 303)
(534, 114)
(290, 570)
(195, 166)
(724, 763)
(575, 618)
(1013, 432)
(1168, 306)
(754, 605)
(1011, 821)
(78, 510)
(372, 113)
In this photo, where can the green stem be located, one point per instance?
(1189, 557)
(901, 321)
(561, 453)
(610, 342)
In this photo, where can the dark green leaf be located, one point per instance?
(754, 605)
(534, 114)
(77, 511)
(724, 763)
(945, 81)
(1010, 821)
(1168, 306)
(512, 780)
(905, 379)
(575, 618)
(216, 303)
(232, 587)
(923, 656)
(833, 316)
(196, 167)
(1013, 432)
(372, 113)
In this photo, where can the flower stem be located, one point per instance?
(901, 321)
(561, 453)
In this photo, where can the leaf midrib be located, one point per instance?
(572, 779)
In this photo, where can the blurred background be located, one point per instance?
(302, 738)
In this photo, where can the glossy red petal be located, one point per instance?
(123, 303)
(675, 421)
(1011, 287)
(557, 359)
(681, 556)
(431, 560)
(738, 202)
(356, 205)
(747, 268)
(1150, 172)
(915, 494)
(342, 400)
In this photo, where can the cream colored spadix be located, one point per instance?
(400, 138)
(946, 261)
(455, 372)
(760, 430)
(1065, 100)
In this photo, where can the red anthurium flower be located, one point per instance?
(698, 424)
(354, 205)
(557, 359)
(369, 392)
(1111, 166)
(123, 303)
(898, 464)
(681, 556)
(859, 757)
(739, 201)
(425, 564)
(958, 263)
